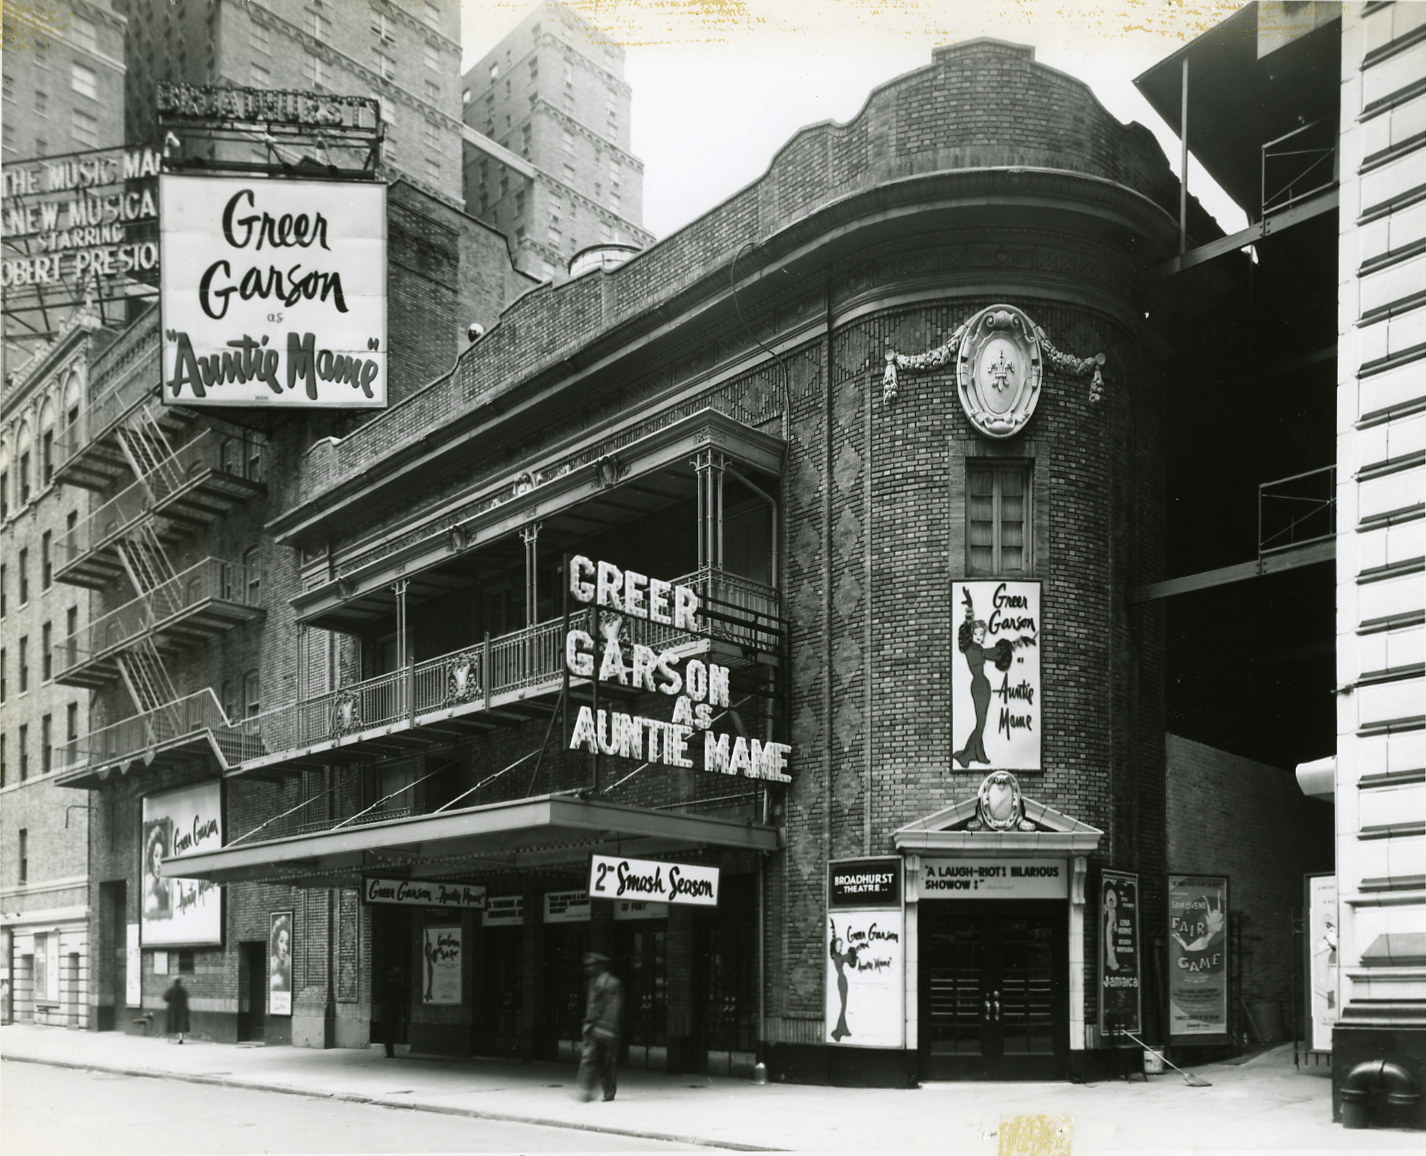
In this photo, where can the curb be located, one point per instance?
(439, 1109)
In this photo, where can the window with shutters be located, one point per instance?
(998, 518)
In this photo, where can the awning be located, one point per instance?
(545, 831)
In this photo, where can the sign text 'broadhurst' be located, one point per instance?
(698, 688)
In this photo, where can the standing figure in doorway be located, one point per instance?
(603, 1014)
(841, 959)
(177, 999)
(393, 999)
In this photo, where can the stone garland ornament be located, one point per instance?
(998, 355)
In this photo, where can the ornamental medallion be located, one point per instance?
(998, 370)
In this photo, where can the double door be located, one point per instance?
(994, 982)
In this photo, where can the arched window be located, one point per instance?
(47, 424)
(4, 478)
(73, 398)
(23, 452)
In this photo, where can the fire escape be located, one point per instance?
(163, 479)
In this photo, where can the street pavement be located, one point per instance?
(1261, 1105)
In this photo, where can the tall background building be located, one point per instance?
(546, 152)
(407, 55)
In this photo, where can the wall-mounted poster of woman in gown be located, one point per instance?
(995, 676)
(865, 978)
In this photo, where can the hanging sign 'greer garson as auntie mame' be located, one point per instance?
(273, 293)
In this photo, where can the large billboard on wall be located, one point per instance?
(274, 294)
(180, 912)
(996, 705)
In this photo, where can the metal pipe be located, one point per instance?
(1183, 162)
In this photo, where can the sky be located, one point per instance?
(720, 85)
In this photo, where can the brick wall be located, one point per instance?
(1231, 816)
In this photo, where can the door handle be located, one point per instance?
(989, 1015)
(995, 998)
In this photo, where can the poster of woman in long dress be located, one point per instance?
(995, 676)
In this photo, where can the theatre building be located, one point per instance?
(756, 612)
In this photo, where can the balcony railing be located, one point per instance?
(210, 454)
(1298, 164)
(192, 717)
(1297, 510)
(520, 663)
(211, 580)
(524, 662)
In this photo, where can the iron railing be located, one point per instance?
(212, 579)
(1296, 510)
(134, 737)
(1298, 164)
(209, 451)
(735, 610)
(523, 660)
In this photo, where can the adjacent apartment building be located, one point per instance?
(546, 154)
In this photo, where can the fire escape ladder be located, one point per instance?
(149, 455)
(145, 561)
(146, 676)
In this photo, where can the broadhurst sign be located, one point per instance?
(698, 688)
(274, 293)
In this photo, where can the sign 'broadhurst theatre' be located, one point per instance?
(274, 292)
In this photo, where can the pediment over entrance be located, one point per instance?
(997, 819)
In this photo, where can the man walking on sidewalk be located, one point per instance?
(177, 999)
(604, 1008)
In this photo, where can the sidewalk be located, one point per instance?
(1261, 1105)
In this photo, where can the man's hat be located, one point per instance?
(594, 957)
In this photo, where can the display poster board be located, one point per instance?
(1120, 967)
(652, 881)
(441, 965)
(424, 893)
(994, 879)
(273, 293)
(133, 967)
(855, 883)
(503, 911)
(866, 982)
(1198, 958)
(177, 912)
(280, 947)
(1323, 997)
(567, 906)
(996, 706)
